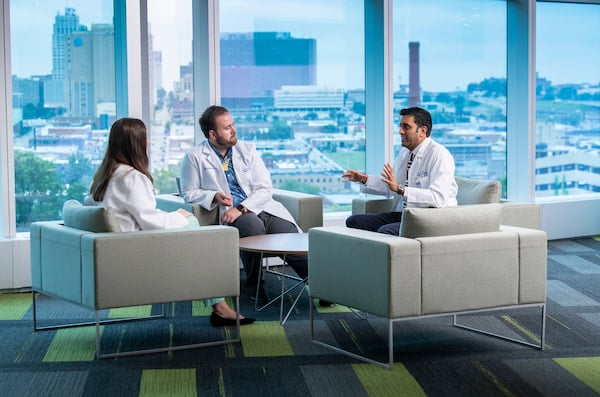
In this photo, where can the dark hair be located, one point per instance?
(207, 120)
(127, 144)
(421, 116)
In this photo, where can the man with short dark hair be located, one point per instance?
(230, 174)
(423, 176)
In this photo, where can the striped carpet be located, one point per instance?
(432, 358)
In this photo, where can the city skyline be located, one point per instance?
(557, 63)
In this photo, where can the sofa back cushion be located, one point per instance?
(472, 191)
(90, 218)
(430, 222)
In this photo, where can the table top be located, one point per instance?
(278, 243)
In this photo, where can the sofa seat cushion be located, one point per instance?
(89, 218)
(464, 219)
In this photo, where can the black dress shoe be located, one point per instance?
(218, 321)
(324, 303)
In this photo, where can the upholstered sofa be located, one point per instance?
(87, 261)
(447, 261)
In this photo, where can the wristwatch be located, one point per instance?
(241, 208)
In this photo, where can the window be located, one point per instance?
(292, 76)
(450, 58)
(63, 101)
(567, 95)
(171, 88)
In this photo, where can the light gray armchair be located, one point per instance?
(86, 260)
(446, 261)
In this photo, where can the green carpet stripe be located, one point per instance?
(230, 347)
(133, 311)
(168, 382)
(14, 306)
(200, 309)
(530, 334)
(585, 369)
(379, 381)
(493, 378)
(72, 344)
(265, 339)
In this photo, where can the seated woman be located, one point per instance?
(124, 183)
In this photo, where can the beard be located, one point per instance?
(226, 142)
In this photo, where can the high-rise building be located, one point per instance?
(55, 89)
(254, 65)
(91, 73)
(414, 87)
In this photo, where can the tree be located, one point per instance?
(38, 192)
(444, 97)
(567, 93)
(280, 130)
(165, 180)
(295, 186)
(459, 105)
(359, 108)
(77, 177)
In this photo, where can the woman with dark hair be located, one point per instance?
(123, 182)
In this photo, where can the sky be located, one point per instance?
(460, 40)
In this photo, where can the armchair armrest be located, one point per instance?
(521, 214)
(365, 270)
(172, 202)
(307, 209)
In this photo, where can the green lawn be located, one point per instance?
(354, 160)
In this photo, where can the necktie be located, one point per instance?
(410, 160)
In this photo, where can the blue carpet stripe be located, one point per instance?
(51, 383)
(564, 295)
(576, 263)
(570, 246)
(593, 318)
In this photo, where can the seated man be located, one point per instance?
(423, 176)
(230, 174)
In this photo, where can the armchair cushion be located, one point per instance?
(471, 191)
(89, 218)
(464, 219)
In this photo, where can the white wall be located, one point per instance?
(15, 271)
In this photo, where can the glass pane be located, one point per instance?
(568, 99)
(63, 65)
(453, 63)
(292, 74)
(171, 88)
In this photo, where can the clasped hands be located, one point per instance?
(225, 200)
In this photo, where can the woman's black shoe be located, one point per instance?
(218, 321)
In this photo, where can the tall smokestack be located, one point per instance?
(414, 90)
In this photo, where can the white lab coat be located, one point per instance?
(431, 180)
(202, 176)
(131, 197)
